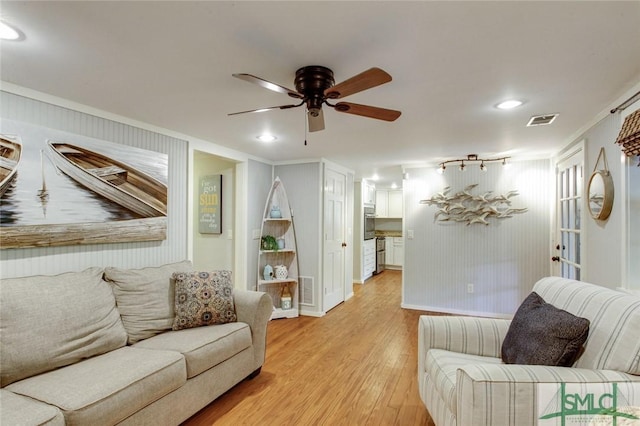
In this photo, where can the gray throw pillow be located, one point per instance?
(542, 334)
(145, 298)
(47, 322)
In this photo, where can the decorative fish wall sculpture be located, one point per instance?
(469, 208)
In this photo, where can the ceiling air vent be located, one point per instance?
(541, 120)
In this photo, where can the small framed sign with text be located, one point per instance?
(210, 205)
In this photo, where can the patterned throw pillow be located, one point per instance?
(203, 298)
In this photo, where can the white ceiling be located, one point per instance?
(170, 63)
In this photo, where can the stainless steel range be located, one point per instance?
(380, 254)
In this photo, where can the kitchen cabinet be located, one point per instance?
(394, 252)
(395, 204)
(389, 203)
(382, 203)
(368, 193)
(388, 250)
(398, 251)
(368, 258)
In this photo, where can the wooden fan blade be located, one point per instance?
(268, 85)
(316, 123)
(368, 111)
(265, 109)
(365, 80)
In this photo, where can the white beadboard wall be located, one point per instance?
(53, 260)
(502, 260)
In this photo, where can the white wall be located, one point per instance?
(633, 225)
(358, 232)
(303, 183)
(260, 178)
(631, 230)
(606, 244)
(502, 260)
(602, 251)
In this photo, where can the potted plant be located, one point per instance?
(269, 242)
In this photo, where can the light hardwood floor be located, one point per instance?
(355, 366)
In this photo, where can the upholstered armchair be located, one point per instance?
(463, 380)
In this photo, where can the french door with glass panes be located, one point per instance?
(567, 261)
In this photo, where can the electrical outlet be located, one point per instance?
(410, 234)
(256, 234)
(469, 288)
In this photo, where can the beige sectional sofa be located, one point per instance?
(463, 380)
(97, 348)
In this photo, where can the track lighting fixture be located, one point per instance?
(472, 158)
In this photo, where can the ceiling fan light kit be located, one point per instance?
(315, 85)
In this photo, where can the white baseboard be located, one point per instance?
(456, 311)
(312, 313)
(393, 267)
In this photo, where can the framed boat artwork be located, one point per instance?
(70, 189)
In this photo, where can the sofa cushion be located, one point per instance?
(203, 347)
(145, 298)
(203, 298)
(19, 410)
(109, 387)
(48, 322)
(542, 334)
(442, 365)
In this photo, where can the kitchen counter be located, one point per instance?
(389, 234)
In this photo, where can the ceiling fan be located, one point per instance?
(315, 86)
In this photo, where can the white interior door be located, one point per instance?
(334, 239)
(566, 258)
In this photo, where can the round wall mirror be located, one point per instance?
(600, 192)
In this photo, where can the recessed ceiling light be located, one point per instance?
(266, 138)
(7, 32)
(375, 177)
(512, 103)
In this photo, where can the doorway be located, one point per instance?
(211, 251)
(567, 261)
(335, 198)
